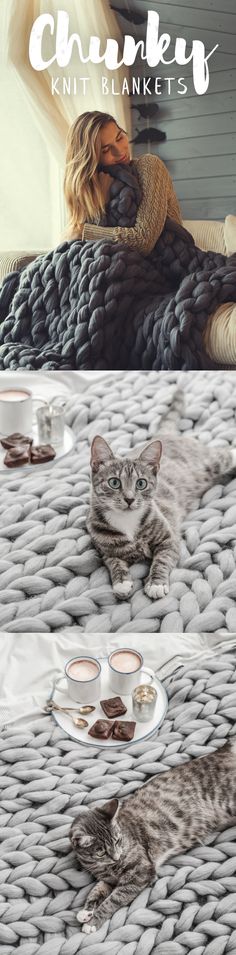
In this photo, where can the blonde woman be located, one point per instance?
(96, 140)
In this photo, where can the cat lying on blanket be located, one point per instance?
(123, 845)
(138, 503)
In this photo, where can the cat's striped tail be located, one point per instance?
(171, 419)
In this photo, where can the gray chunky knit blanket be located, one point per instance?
(45, 776)
(50, 575)
(102, 305)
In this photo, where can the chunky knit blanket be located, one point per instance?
(102, 305)
(50, 575)
(45, 776)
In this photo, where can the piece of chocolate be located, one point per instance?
(14, 440)
(17, 457)
(41, 453)
(123, 730)
(113, 707)
(101, 729)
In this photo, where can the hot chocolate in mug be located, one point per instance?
(83, 676)
(16, 410)
(125, 670)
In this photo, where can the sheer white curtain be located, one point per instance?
(46, 117)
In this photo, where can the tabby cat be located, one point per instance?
(123, 845)
(138, 503)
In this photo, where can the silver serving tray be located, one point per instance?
(143, 731)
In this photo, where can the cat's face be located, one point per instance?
(96, 836)
(122, 483)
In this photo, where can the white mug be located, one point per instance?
(83, 675)
(16, 410)
(123, 681)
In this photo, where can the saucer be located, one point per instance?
(61, 451)
(142, 730)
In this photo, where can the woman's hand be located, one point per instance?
(106, 182)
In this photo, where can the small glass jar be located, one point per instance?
(50, 420)
(144, 699)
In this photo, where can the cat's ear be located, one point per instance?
(151, 455)
(86, 840)
(79, 839)
(110, 809)
(101, 453)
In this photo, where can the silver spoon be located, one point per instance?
(77, 720)
(50, 706)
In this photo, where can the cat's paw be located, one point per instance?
(123, 589)
(84, 915)
(156, 591)
(87, 928)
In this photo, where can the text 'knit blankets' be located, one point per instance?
(45, 777)
(50, 575)
(103, 305)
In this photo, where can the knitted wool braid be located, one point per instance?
(102, 305)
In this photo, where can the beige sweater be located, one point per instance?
(158, 201)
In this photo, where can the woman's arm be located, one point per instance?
(158, 200)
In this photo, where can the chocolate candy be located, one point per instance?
(101, 729)
(21, 451)
(123, 730)
(41, 453)
(113, 707)
(16, 439)
(17, 457)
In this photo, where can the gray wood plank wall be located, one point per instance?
(200, 148)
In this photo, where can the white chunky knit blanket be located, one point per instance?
(50, 575)
(45, 776)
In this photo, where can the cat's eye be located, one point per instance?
(114, 483)
(141, 484)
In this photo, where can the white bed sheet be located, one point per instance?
(50, 383)
(30, 663)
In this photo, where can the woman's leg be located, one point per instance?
(220, 334)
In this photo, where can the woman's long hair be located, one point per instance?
(82, 187)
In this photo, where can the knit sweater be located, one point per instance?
(158, 201)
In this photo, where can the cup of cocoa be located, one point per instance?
(126, 669)
(83, 676)
(16, 410)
